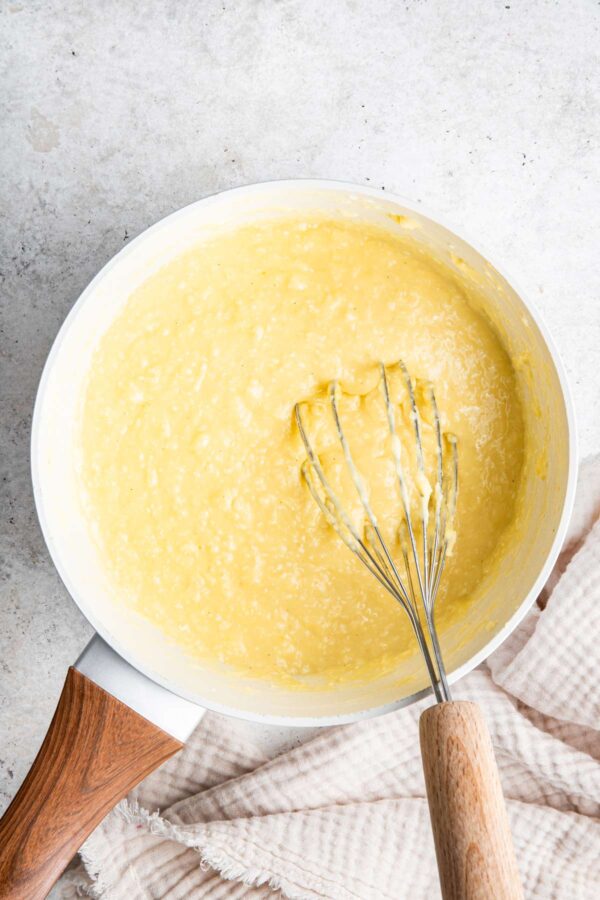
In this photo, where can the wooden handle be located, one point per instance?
(96, 750)
(473, 844)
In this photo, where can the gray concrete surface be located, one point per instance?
(116, 112)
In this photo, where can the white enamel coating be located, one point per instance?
(57, 493)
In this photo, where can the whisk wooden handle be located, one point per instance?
(473, 844)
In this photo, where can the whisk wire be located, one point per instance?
(370, 547)
(358, 482)
(354, 542)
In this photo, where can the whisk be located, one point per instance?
(437, 508)
(470, 826)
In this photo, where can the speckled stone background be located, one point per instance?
(115, 113)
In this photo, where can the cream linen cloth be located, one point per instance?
(345, 816)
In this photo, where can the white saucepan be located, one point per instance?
(133, 698)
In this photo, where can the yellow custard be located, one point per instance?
(191, 460)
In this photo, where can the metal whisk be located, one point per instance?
(424, 539)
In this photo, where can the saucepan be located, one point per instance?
(133, 698)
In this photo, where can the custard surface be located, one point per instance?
(191, 460)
